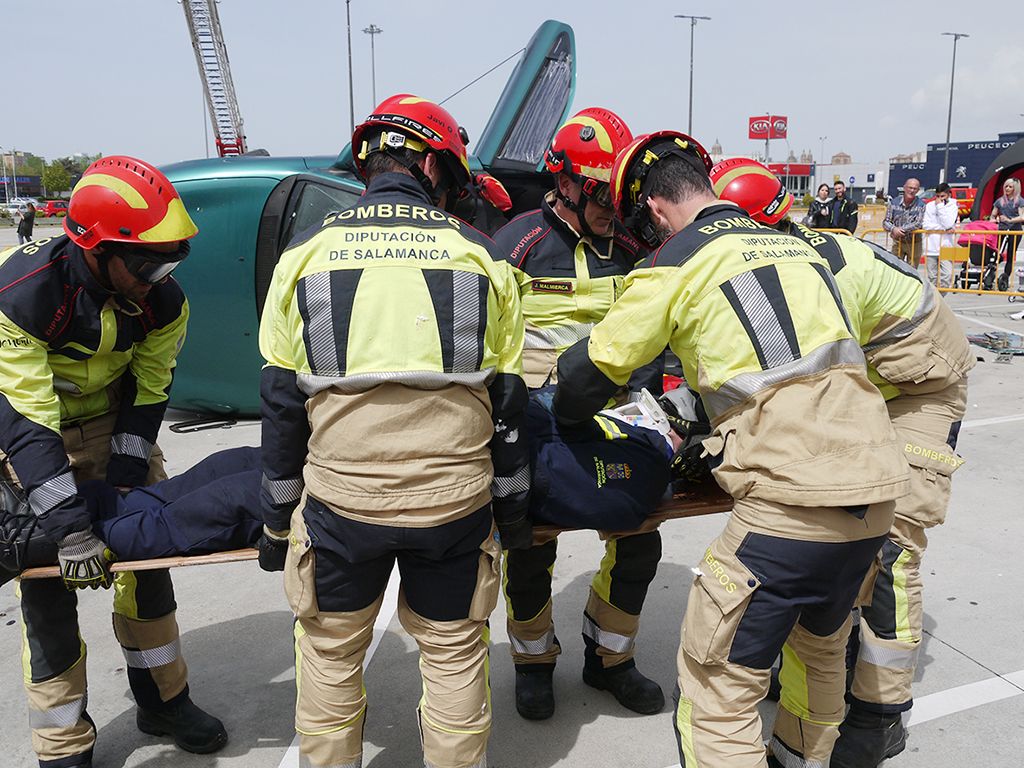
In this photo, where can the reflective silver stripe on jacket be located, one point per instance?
(610, 640)
(790, 760)
(556, 336)
(746, 385)
(53, 492)
(503, 487)
(320, 326)
(537, 647)
(887, 656)
(131, 445)
(764, 320)
(284, 491)
(310, 383)
(465, 321)
(153, 657)
(61, 716)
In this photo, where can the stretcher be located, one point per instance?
(705, 499)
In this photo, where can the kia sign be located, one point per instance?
(767, 127)
(779, 126)
(758, 127)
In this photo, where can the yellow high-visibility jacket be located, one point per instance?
(567, 282)
(393, 292)
(70, 351)
(756, 319)
(911, 339)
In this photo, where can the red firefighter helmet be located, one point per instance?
(124, 200)
(416, 124)
(753, 188)
(586, 145)
(630, 179)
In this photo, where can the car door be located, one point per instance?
(295, 205)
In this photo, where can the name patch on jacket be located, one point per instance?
(552, 286)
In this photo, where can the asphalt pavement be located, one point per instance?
(236, 631)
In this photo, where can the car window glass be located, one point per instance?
(314, 203)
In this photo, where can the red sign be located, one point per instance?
(767, 127)
(758, 127)
(790, 169)
(779, 126)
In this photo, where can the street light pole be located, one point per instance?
(351, 97)
(693, 23)
(3, 169)
(373, 30)
(949, 120)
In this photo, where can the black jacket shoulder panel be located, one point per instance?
(515, 239)
(710, 224)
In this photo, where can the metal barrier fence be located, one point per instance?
(980, 262)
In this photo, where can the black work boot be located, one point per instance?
(192, 729)
(535, 693)
(22, 542)
(630, 688)
(865, 740)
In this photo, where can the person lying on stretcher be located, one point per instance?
(608, 474)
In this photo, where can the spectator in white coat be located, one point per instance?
(939, 214)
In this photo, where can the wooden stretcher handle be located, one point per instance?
(179, 561)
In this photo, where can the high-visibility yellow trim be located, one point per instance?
(120, 187)
(610, 428)
(602, 583)
(601, 174)
(485, 638)
(604, 141)
(174, 226)
(344, 726)
(684, 727)
(793, 677)
(125, 602)
(412, 100)
(298, 633)
(899, 587)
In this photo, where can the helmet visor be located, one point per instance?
(152, 266)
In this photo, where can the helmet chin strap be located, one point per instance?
(579, 208)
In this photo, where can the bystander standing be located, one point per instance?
(904, 215)
(26, 221)
(940, 216)
(1008, 210)
(844, 210)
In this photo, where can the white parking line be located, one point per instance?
(976, 321)
(388, 609)
(963, 697)
(971, 423)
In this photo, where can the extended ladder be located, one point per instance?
(212, 58)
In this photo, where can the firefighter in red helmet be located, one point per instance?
(91, 324)
(919, 359)
(392, 410)
(570, 258)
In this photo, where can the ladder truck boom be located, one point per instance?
(215, 71)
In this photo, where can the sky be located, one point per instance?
(120, 77)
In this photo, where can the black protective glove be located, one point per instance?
(273, 549)
(689, 463)
(84, 561)
(689, 421)
(516, 535)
